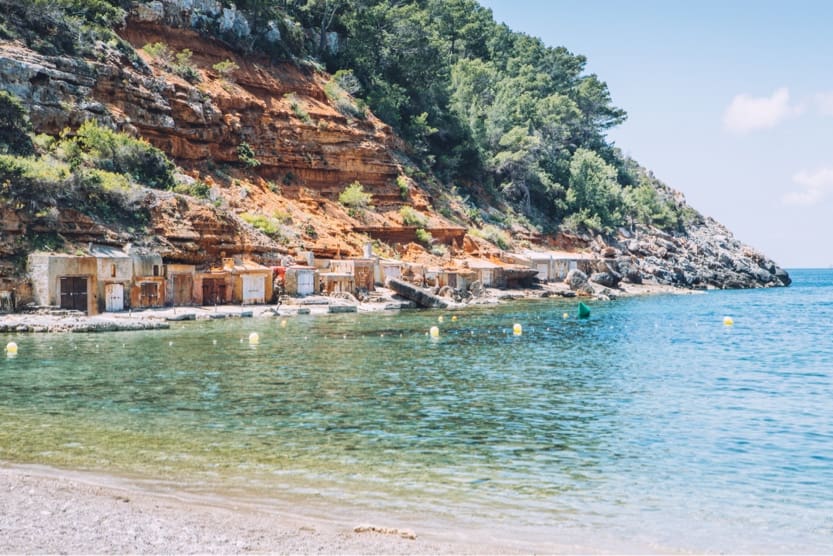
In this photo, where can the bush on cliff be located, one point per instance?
(118, 152)
(355, 197)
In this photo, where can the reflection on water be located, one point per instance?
(650, 418)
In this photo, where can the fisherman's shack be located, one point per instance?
(65, 281)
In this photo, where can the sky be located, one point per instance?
(729, 102)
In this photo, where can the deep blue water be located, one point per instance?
(649, 426)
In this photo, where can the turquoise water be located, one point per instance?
(649, 426)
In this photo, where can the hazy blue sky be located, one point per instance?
(730, 102)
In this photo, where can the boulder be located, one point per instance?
(608, 279)
(576, 279)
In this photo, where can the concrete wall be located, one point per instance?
(143, 265)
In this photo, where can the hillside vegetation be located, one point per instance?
(263, 127)
(482, 107)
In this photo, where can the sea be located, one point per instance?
(651, 426)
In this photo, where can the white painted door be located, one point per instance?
(486, 277)
(543, 271)
(306, 283)
(254, 289)
(114, 297)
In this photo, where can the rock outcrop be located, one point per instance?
(705, 256)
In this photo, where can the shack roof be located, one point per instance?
(557, 255)
(107, 251)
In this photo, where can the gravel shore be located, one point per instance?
(43, 510)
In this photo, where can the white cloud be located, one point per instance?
(824, 103)
(814, 187)
(746, 113)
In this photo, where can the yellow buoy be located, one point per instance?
(517, 329)
(254, 338)
(435, 332)
(283, 323)
(454, 318)
(565, 316)
(440, 318)
(11, 349)
(728, 321)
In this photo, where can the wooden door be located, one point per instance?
(114, 297)
(74, 293)
(254, 289)
(213, 291)
(306, 283)
(149, 295)
(183, 288)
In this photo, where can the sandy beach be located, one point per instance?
(45, 510)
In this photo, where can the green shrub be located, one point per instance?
(268, 226)
(339, 89)
(412, 218)
(159, 51)
(198, 189)
(120, 153)
(282, 216)
(226, 69)
(492, 234)
(246, 155)
(424, 236)
(297, 109)
(184, 68)
(98, 12)
(355, 197)
(402, 184)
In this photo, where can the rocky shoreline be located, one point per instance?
(59, 321)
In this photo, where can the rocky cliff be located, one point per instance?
(275, 144)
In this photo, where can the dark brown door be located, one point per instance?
(74, 293)
(183, 286)
(149, 296)
(213, 291)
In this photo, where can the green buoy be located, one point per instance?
(583, 310)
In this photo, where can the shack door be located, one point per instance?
(364, 277)
(114, 297)
(149, 294)
(543, 271)
(306, 283)
(486, 277)
(183, 286)
(213, 291)
(74, 293)
(254, 289)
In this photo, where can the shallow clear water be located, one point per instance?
(650, 425)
